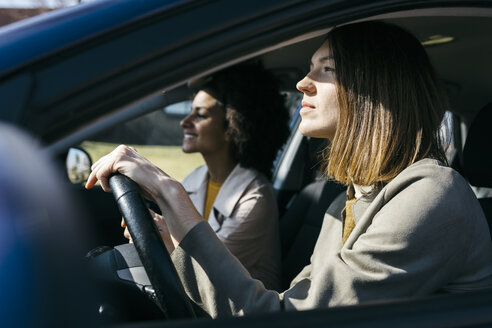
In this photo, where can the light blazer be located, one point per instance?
(245, 218)
(423, 233)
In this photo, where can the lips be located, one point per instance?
(306, 104)
(306, 107)
(189, 136)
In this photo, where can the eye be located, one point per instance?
(199, 113)
(328, 69)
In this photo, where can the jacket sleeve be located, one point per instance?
(215, 280)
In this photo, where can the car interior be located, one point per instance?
(459, 44)
(304, 195)
(460, 55)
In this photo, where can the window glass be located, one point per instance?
(447, 136)
(15, 10)
(157, 136)
(180, 109)
(292, 101)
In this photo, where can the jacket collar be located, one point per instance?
(196, 186)
(233, 188)
(365, 195)
(229, 194)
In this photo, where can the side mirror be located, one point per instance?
(78, 164)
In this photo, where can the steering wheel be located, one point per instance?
(169, 292)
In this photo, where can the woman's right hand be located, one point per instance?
(127, 161)
(178, 211)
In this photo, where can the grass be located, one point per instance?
(170, 159)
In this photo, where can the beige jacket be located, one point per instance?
(423, 233)
(245, 218)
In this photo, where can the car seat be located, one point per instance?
(300, 223)
(477, 157)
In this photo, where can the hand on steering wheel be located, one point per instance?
(154, 256)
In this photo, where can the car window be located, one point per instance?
(15, 10)
(156, 135)
(447, 136)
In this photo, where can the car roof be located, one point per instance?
(32, 39)
(65, 71)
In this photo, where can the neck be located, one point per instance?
(219, 167)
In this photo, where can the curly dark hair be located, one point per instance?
(256, 115)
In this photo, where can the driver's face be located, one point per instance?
(320, 109)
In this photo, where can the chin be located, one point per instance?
(304, 131)
(307, 132)
(187, 150)
(315, 134)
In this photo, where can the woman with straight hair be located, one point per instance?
(411, 225)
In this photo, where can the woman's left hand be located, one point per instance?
(161, 226)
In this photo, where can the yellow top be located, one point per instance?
(212, 191)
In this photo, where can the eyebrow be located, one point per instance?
(322, 59)
(197, 108)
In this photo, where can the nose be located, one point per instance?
(186, 122)
(306, 85)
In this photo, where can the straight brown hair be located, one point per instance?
(391, 104)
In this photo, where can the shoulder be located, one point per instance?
(246, 184)
(429, 186)
(430, 177)
(244, 189)
(246, 179)
(430, 203)
(259, 183)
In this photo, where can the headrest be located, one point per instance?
(477, 153)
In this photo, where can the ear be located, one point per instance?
(227, 126)
(227, 135)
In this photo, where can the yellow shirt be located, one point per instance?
(212, 191)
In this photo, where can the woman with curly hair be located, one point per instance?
(233, 113)
(238, 122)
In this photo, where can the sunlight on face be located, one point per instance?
(320, 110)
